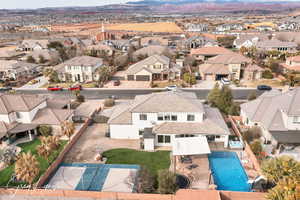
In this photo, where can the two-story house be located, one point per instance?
(20, 115)
(277, 45)
(79, 69)
(156, 67)
(229, 66)
(166, 116)
(277, 114)
(291, 64)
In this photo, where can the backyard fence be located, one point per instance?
(247, 148)
(53, 167)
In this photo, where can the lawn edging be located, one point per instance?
(248, 150)
(53, 167)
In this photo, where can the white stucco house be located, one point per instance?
(277, 114)
(20, 115)
(79, 69)
(159, 118)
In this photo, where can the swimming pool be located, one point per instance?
(227, 171)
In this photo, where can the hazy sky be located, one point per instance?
(12, 4)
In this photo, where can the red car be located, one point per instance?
(55, 88)
(75, 87)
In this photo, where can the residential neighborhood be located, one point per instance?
(146, 100)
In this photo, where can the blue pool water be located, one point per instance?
(227, 171)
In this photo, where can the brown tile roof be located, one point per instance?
(210, 50)
(51, 116)
(214, 69)
(253, 68)
(233, 58)
(11, 103)
(294, 58)
(291, 68)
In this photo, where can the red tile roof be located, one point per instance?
(210, 50)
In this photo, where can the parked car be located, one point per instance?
(55, 88)
(32, 82)
(75, 87)
(225, 81)
(171, 88)
(113, 97)
(264, 87)
(116, 83)
(5, 89)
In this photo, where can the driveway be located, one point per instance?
(129, 84)
(41, 81)
(94, 141)
(205, 84)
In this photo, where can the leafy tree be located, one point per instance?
(252, 96)
(146, 181)
(45, 130)
(234, 109)
(55, 45)
(286, 189)
(276, 169)
(67, 128)
(226, 41)
(189, 78)
(225, 100)
(27, 168)
(256, 147)
(214, 95)
(166, 182)
(104, 74)
(251, 134)
(267, 74)
(30, 59)
(53, 77)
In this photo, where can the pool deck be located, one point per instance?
(199, 177)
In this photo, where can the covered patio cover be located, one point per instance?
(190, 146)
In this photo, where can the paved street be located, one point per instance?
(100, 93)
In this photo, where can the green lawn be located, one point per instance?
(154, 161)
(6, 173)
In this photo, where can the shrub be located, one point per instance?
(30, 59)
(166, 182)
(80, 98)
(256, 147)
(252, 96)
(252, 134)
(109, 102)
(146, 181)
(45, 130)
(267, 74)
(7, 156)
(189, 78)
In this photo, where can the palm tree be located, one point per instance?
(27, 168)
(284, 190)
(47, 146)
(67, 128)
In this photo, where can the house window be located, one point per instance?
(296, 120)
(141, 132)
(174, 117)
(164, 139)
(143, 117)
(18, 115)
(160, 117)
(190, 117)
(167, 117)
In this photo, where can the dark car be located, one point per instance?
(55, 88)
(75, 87)
(116, 83)
(264, 87)
(5, 89)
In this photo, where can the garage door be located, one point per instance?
(142, 78)
(130, 77)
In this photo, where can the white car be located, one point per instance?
(225, 81)
(171, 88)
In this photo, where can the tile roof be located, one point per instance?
(233, 58)
(51, 116)
(214, 69)
(268, 109)
(253, 67)
(210, 50)
(84, 61)
(275, 43)
(18, 103)
(151, 50)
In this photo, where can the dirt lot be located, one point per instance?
(270, 82)
(94, 141)
(129, 84)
